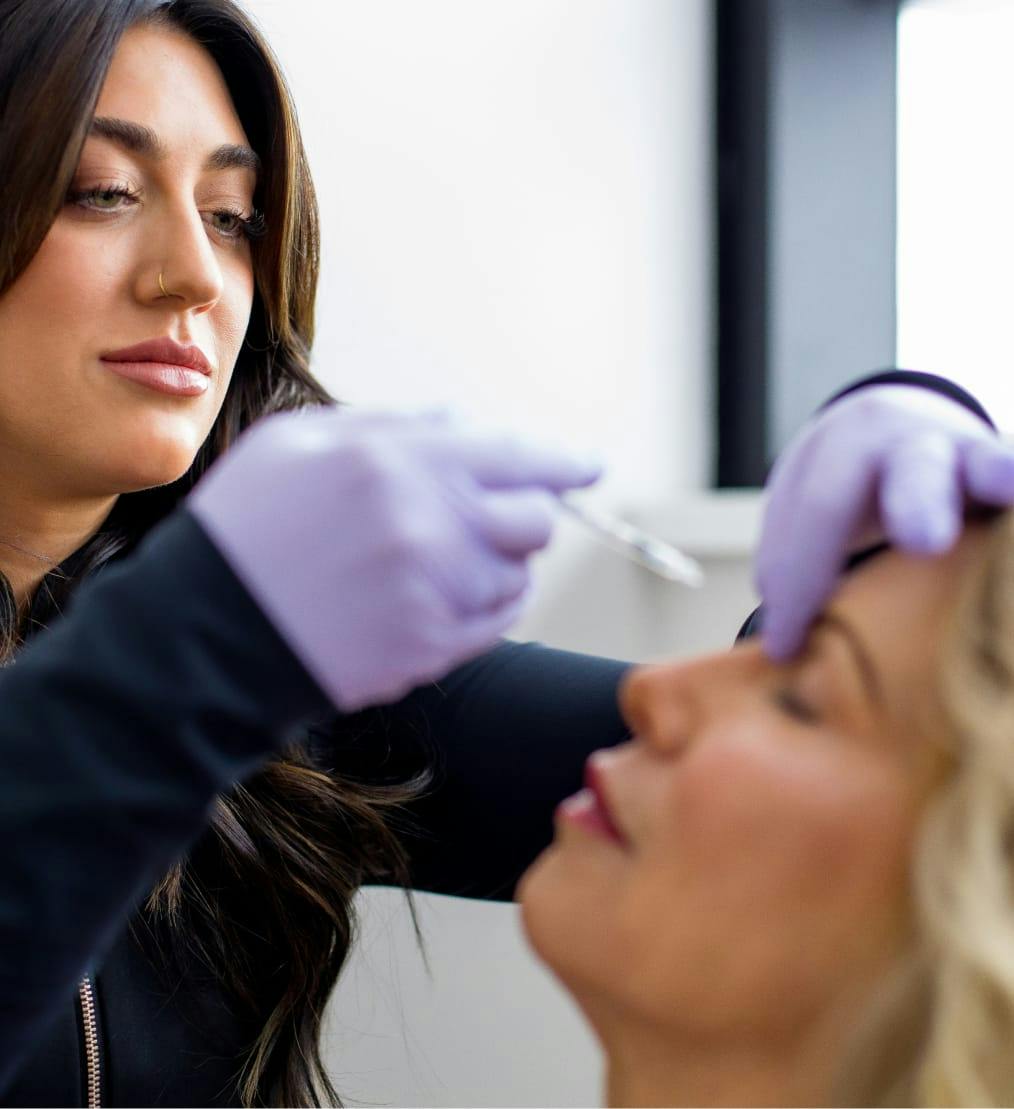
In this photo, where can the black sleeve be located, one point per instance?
(924, 381)
(506, 736)
(162, 685)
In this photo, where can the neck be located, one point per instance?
(38, 533)
(656, 1071)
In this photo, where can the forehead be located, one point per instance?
(901, 607)
(164, 79)
(907, 594)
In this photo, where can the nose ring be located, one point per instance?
(161, 285)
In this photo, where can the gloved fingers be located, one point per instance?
(338, 422)
(503, 463)
(789, 488)
(479, 586)
(481, 631)
(894, 459)
(398, 421)
(920, 493)
(508, 579)
(516, 522)
(988, 467)
(802, 552)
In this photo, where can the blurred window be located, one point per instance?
(806, 190)
(955, 259)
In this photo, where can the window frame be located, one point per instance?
(806, 184)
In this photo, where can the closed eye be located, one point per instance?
(794, 706)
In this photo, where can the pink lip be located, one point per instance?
(167, 352)
(177, 381)
(588, 808)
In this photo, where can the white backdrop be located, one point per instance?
(515, 214)
(516, 222)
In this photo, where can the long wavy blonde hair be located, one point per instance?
(941, 1032)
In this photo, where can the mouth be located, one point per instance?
(589, 810)
(162, 365)
(164, 352)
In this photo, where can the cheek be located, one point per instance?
(51, 323)
(69, 281)
(822, 799)
(817, 819)
(54, 391)
(769, 884)
(230, 318)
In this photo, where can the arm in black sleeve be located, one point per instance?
(507, 736)
(118, 726)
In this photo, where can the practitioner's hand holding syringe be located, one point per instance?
(384, 548)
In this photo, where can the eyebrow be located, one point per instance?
(864, 663)
(140, 139)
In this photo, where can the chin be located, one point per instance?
(556, 914)
(154, 478)
(152, 469)
(552, 909)
(531, 892)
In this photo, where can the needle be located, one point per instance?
(655, 554)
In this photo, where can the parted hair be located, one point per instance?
(297, 839)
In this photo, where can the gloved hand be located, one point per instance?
(385, 549)
(894, 462)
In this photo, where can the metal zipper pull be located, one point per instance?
(90, 1022)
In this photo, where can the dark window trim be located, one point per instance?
(806, 177)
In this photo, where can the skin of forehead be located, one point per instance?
(899, 607)
(199, 115)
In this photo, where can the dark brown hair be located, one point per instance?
(297, 840)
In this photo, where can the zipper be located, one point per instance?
(90, 1025)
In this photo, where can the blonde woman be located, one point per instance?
(793, 886)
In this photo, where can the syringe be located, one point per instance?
(657, 555)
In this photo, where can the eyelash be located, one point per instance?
(251, 227)
(793, 706)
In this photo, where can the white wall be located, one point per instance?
(515, 206)
(516, 222)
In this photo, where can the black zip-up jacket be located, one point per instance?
(161, 686)
(120, 724)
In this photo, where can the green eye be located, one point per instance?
(232, 226)
(104, 196)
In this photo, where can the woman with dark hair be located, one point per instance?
(168, 643)
(101, 438)
(169, 183)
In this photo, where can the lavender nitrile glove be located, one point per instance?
(889, 461)
(385, 549)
